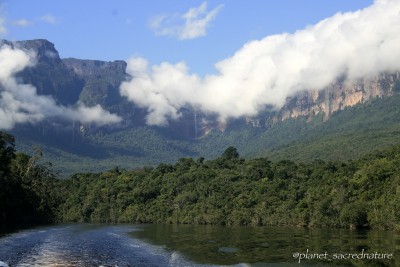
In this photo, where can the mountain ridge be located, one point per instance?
(99, 83)
(272, 132)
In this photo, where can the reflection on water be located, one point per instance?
(83, 245)
(267, 245)
(184, 245)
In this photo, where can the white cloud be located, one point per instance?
(47, 19)
(267, 71)
(19, 103)
(50, 19)
(192, 24)
(22, 22)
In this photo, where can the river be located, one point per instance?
(187, 245)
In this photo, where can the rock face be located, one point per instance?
(102, 80)
(95, 68)
(338, 96)
(49, 75)
(45, 50)
(325, 102)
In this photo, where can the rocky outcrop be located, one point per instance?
(49, 75)
(94, 68)
(331, 99)
(102, 80)
(43, 49)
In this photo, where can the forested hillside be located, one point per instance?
(229, 190)
(348, 134)
(307, 164)
(233, 191)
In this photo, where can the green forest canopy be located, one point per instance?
(228, 190)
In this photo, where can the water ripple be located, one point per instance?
(82, 245)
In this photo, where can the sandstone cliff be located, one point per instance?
(338, 96)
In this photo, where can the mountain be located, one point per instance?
(345, 120)
(339, 95)
(49, 75)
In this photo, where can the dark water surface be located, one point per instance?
(184, 245)
(274, 246)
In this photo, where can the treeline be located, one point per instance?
(228, 190)
(233, 191)
(29, 192)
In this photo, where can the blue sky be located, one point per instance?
(120, 29)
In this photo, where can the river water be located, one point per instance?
(83, 245)
(184, 245)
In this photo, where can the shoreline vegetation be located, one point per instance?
(229, 190)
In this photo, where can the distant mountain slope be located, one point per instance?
(345, 120)
(49, 75)
(348, 134)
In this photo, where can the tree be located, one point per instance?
(29, 193)
(230, 153)
(7, 153)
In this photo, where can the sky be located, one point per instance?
(121, 29)
(226, 58)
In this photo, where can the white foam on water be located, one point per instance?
(114, 234)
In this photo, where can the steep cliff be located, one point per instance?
(335, 97)
(338, 96)
(49, 75)
(102, 80)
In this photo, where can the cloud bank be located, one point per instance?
(19, 103)
(192, 24)
(267, 71)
